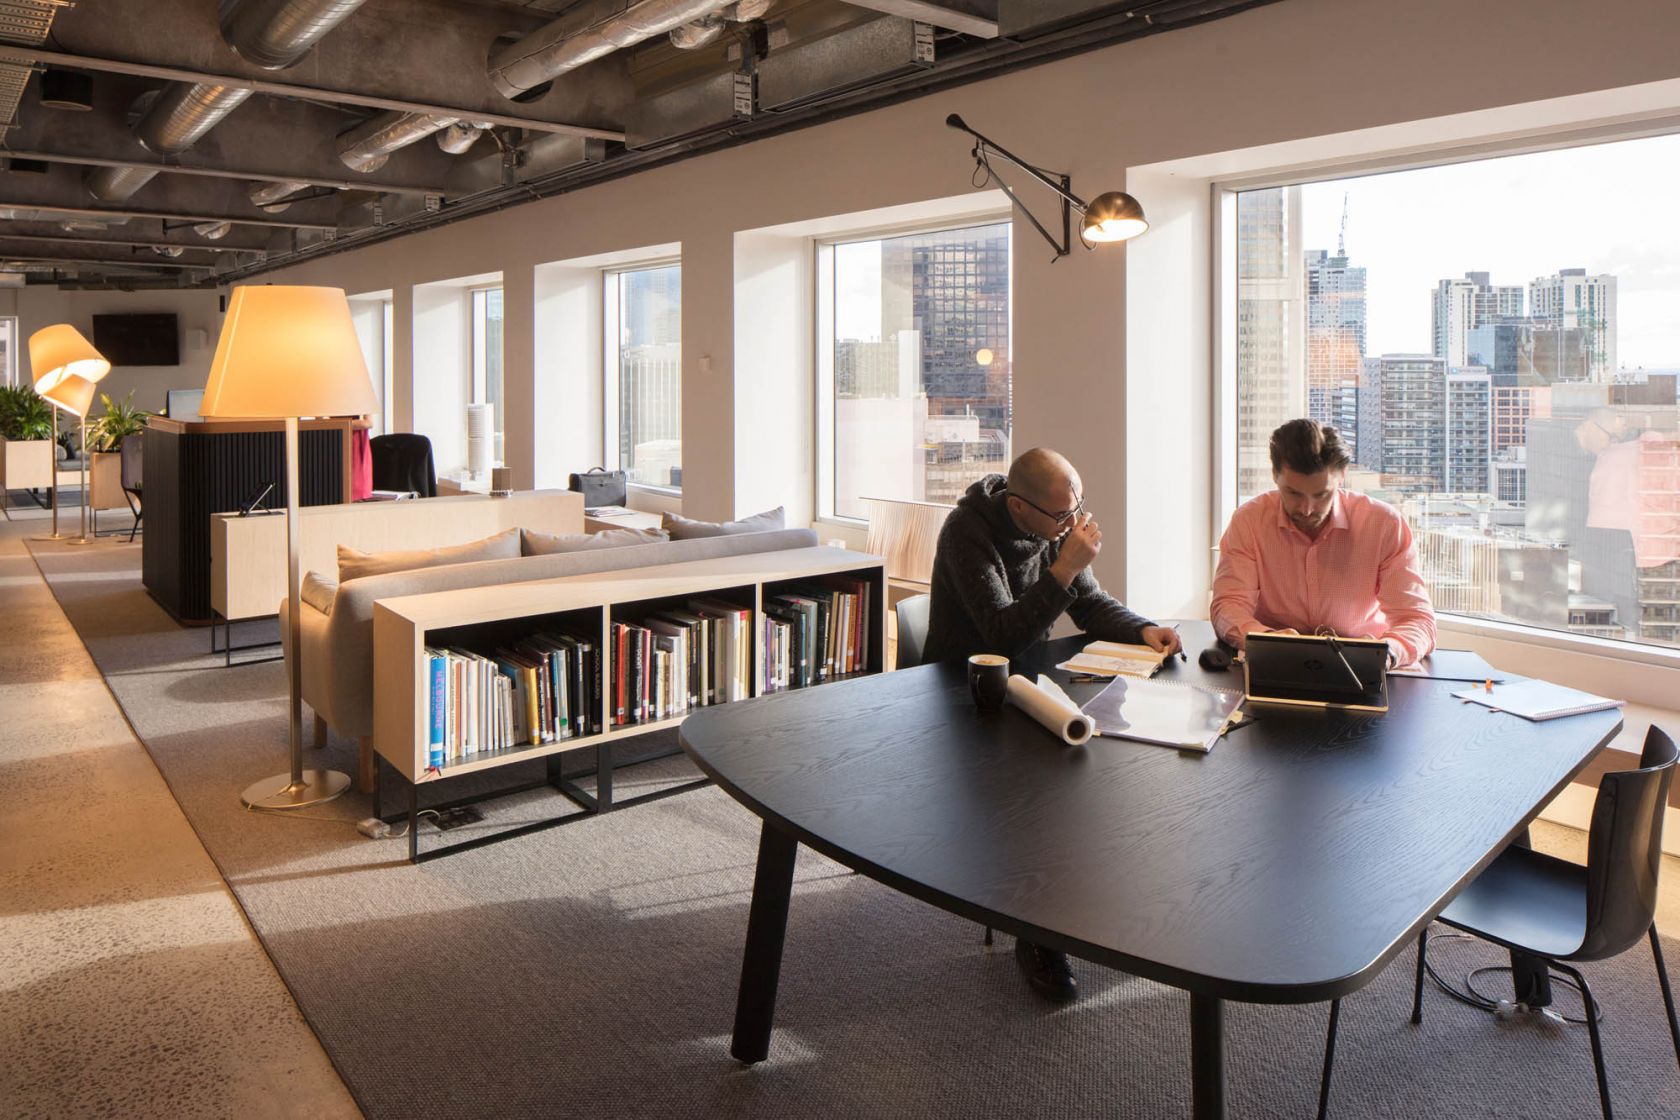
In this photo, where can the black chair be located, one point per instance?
(403, 461)
(912, 630)
(1560, 911)
(133, 457)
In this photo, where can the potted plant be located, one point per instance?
(26, 448)
(105, 439)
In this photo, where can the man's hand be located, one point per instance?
(1079, 547)
(1162, 639)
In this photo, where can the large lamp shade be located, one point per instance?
(71, 393)
(287, 350)
(60, 351)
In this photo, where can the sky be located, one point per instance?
(1606, 208)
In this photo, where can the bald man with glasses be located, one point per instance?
(1014, 556)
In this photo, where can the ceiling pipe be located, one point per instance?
(585, 33)
(709, 28)
(367, 146)
(271, 33)
(271, 196)
(591, 30)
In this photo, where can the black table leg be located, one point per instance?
(1207, 1057)
(761, 965)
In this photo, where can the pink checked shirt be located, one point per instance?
(1359, 578)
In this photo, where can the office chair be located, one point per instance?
(403, 461)
(1560, 911)
(912, 630)
(133, 458)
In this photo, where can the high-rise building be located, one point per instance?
(1519, 351)
(953, 288)
(1571, 299)
(1460, 306)
(1413, 421)
(1335, 342)
(1510, 476)
(1271, 328)
(1512, 406)
(1469, 423)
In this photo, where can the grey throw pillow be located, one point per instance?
(354, 564)
(536, 543)
(687, 529)
(318, 591)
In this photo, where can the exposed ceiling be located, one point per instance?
(180, 143)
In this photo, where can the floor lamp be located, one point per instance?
(58, 354)
(287, 352)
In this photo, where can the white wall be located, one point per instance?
(40, 306)
(1279, 73)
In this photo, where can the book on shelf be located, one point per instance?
(527, 693)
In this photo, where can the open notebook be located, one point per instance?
(1167, 713)
(1114, 659)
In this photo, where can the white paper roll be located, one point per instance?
(1050, 706)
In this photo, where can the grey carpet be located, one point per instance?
(590, 970)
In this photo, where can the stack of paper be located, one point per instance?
(1166, 713)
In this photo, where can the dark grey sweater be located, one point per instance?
(993, 591)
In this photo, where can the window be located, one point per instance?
(8, 350)
(644, 374)
(1506, 379)
(487, 363)
(913, 366)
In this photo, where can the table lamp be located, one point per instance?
(58, 357)
(287, 352)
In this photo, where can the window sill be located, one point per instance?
(1630, 652)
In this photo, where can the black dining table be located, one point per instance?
(1289, 864)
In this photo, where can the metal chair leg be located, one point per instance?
(1591, 1009)
(1417, 987)
(1329, 1060)
(1668, 994)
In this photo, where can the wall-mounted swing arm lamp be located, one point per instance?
(1111, 216)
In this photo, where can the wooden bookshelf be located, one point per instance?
(480, 618)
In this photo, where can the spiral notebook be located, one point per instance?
(1537, 700)
(1167, 713)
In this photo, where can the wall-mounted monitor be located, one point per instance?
(138, 340)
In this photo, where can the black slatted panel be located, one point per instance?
(190, 477)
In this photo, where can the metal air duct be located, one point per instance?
(271, 196)
(708, 28)
(460, 136)
(367, 146)
(589, 31)
(272, 33)
(212, 231)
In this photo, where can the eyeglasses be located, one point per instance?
(1061, 519)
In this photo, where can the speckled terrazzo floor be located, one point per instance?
(130, 983)
(589, 971)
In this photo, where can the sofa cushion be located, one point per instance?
(319, 591)
(355, 564)
(534, 543)
(687, 528)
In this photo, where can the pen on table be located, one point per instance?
(1181, 655)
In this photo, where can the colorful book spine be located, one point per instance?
(439, 708)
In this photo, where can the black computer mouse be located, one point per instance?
(1214, 659)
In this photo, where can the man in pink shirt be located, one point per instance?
(1310, 557)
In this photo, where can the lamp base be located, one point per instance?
(79, 540)
(51, 537)
(278, 792)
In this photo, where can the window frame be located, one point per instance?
(823, 447)
(612, 371)
(1223, 193)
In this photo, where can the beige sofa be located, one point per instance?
(338, 645)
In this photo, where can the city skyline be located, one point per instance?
(1413, 229)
